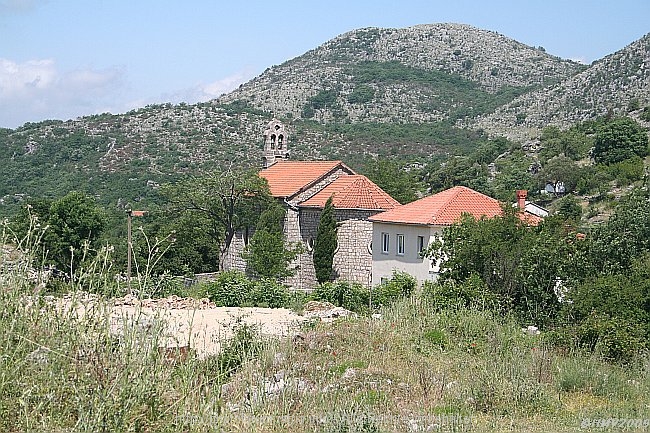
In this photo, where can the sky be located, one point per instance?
(61, 59)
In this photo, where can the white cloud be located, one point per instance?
(204, 92)
(36, 89)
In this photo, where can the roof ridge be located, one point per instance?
(456, 191)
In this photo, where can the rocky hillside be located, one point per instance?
(417, 74)
(413, 92)
(618, 83)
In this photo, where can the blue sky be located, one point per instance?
(61, 59)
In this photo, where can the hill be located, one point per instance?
(425, 73)
(618, 83)
(413, 93)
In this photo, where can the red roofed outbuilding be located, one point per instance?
(400, 234)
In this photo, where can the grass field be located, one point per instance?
(408, 370)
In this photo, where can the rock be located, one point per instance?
(315, 306)
(330, 313)
(531, 330)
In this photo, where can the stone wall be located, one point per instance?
(353, 258)
(233, 259)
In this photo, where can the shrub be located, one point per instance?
(231, 289)
(267, 292)
(351, 296)
(400, 285)
(614, 339)
(472, 293)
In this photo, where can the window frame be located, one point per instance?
(401, 244)
(420, 245)
(385, 242)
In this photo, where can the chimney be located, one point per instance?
(521, 199)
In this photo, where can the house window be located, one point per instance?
(420, 244)
(400, 245)
(385, 243)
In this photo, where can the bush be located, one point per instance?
(472, 293)
(351, 296)
(614, 339)
(269, 293)
(627, 171)
(231, 289)
(401, 285)
(234, 289)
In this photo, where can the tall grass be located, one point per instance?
(66, 367)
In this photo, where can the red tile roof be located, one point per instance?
(444, 208)
(286, 178)
(353, 192)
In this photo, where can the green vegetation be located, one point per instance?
(325, 243)
(231, 200)
(620, 139)
(455, 95)
(590, 289)
(67, 229)
(234, 289)
(360, 299)
(266, 255)
(399, 182)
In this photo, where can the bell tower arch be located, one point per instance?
(275, 143)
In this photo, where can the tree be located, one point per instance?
(231, 200)
(519, 264)
(562, 169)
(72, 224)
(569, 208)
(625, 236)
(390, 176)
(267, 254)
(325, 243)
(192, 251)
(619, 139)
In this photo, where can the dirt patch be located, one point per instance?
(198, 324)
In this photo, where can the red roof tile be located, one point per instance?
(444, 208)
(353, 192)
(286, 178)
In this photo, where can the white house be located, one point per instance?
(400, 234)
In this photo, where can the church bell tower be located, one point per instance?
(275, 143)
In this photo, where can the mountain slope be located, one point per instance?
(416, 74)
(413, 92)
(611, 84)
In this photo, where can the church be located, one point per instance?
(303, 187)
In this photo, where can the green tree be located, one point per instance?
(192, 249)
(518, 263)
(625, 236)
(392, 177)
(325, 243)
(563, 169)
(72, 225)
(569, 208)
(619, 139)
(230, 200)
(267, 255)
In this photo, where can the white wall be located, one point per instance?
(383, 264)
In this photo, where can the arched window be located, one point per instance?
(272, 141)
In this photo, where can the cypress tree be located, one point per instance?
(325, 243)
